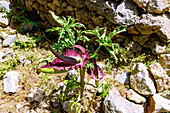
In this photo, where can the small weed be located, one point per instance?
(20, 44)
(10, 64)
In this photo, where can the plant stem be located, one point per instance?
(91, 102)
(97, 49)
(82, 75)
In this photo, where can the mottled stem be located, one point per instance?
(82, 75)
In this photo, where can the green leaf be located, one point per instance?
(117, 30)
(54, 29)
(51, 70)
(94, 55)
(57, 19)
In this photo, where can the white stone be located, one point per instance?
(3, 34)
(141, 3)
(164, 32)
(3, 20)
(117, 104)
(4, 6)
(126, 13)
(158, 6)
(18, 106)
(140, 80)
(133, 96)
(10, 82)
(9, 40)
(35, 95)
(164, 60)
(67, 107)
(161, 78)
(158, 104)
(123, 78)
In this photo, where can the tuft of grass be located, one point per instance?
(8, 65)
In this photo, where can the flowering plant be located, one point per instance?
(74, 59)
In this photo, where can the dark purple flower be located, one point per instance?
(93, 73)
(61, 64)
(72, 59)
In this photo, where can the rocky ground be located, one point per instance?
(132, 89)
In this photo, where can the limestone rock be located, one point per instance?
(3, 34)
(77, 3)
(141, 3)
(9, 40)
(28, 4)
(67, 107)
(123, 78)
(136, 47)
(4, 6)
(117, 104)
(35, 95)
(158, 6)
(141, 39)
(165, 62)
(140, 80)
(148, 24)
(35, 6)
(125, 13)
(130, 54)
(5, 55)
(3, 20)
(164, 32)
(57, 2)
(156, 45)
(133, 96)
(158, 104)
(10, 82)
(42, 2)
(161, 78)
(98, 20)
(82, 16)
(132, 30)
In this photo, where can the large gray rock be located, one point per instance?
(77, 3)
(9, 40)
(126, 13)
(158, 104)
(4, 54)
(164, 32)
(10, 82)
(66, 106)
(161, 78)
(117, 104)
(158, 6)
(164, 60)
(140, 80)
(135, 97)
(123, 77)
(123, 13)
(156, 45)
(3, 20)
(141, 39)
(141, 3)
(148, 24)
(35, 95)
(28, 4)
(4, 6)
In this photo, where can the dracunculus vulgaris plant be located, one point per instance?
(73, 59)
